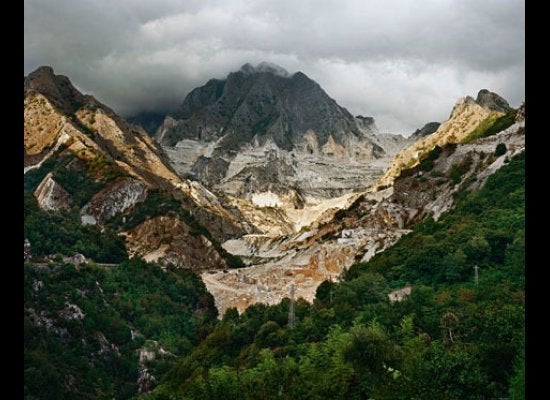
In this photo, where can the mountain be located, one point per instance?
(79, 155)
(426, 130)
(492, 101)
(440, 314)
(98, 191)
(386, 303)
(259, 104)
(102, 333)
(262, 131)
(467, 115)
(330, 237)
(361, 225)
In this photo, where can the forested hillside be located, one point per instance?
(452, 338)
(87, 327)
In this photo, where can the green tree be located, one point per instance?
(500, 149)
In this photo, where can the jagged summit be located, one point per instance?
(259, 103)
(489, 101)
(233, 134)
(466, 115)
(43, 70)
(366, 124)
(492, 101)
(59, 121)
(57, 88)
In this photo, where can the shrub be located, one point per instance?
(500, 149)
(459, 169)
(426, 165)
(492, 125)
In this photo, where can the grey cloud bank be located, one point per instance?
(403, 62)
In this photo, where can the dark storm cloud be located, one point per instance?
(404, 62)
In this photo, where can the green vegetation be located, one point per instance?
(35, 176)
(449, 339)
(61, 232)
(80, 178)
(458, 169)
(94, 355)
(500, 149)
(492, 125)
(427, 164)
(436, 174)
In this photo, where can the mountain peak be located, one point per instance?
(264, 66)
(492, 101)
(461, 103)
(43, 70)
(57, 88)
(40, 77)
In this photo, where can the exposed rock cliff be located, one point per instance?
(263, 129)
(492, 101)
(51, 196)
(466, 115)
(169, 240)
(426, 130)
(115, 198)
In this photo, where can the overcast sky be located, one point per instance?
(404, 62)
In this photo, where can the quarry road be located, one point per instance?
(106, 265)
(209, 279)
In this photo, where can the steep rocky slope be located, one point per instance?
(51, 196)
(148, 120)
(79, 153)
(264, 130)
(466, 115)
(274, 214)
(371, 223)
(259, 104)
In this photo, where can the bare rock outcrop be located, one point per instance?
(492, 101)
(115, 198)
(62, 122)
(51, 196)
(466, 115)
(262, 129)
(426, 130)
(168, 240)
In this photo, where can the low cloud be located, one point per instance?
(403, 62)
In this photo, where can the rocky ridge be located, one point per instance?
(76, 137)
(466, 115)
(298, 227)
